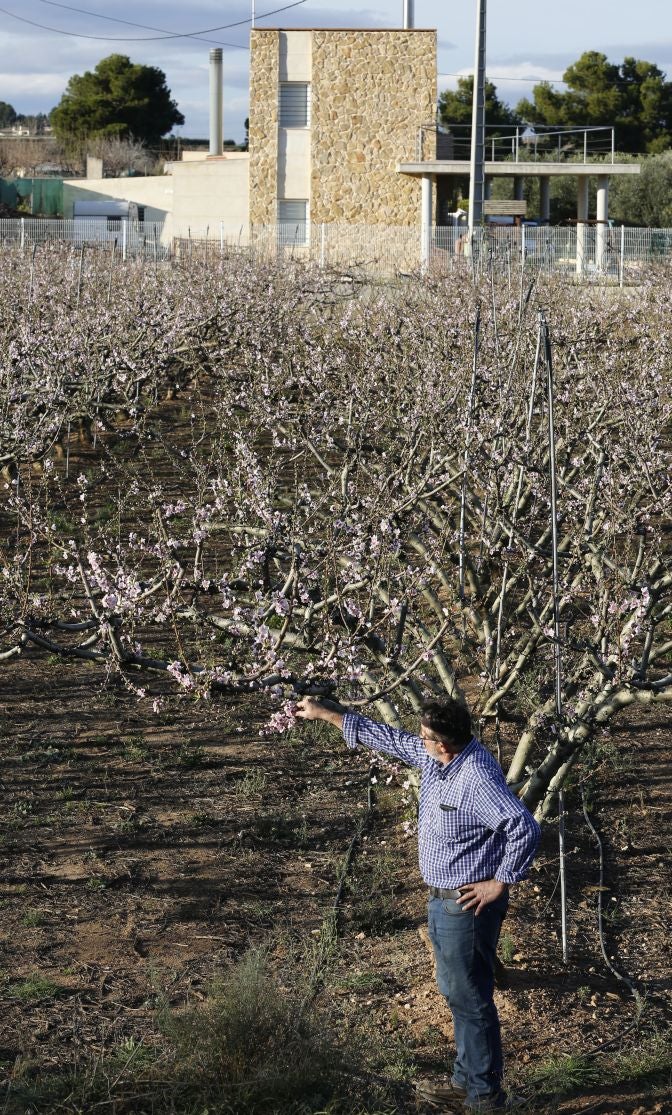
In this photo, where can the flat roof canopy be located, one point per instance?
(504, 169)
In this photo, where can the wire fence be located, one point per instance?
(585, 251)
(130, 239)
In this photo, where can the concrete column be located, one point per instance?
(216, 107)
(426, 223)
(581, 218)
(602, 221)
(487, 189)
(545, 199)
(518, 188)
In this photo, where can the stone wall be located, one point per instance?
(371, 92)
(264, 76)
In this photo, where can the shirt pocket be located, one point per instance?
(454, 825)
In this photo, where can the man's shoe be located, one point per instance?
(501, 1101)
(439, 1091)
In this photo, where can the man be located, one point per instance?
(475, 839)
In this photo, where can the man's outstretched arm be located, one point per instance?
(359, 729)
(309, 708)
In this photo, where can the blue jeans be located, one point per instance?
(464, 949)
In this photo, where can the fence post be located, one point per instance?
(23, 233)
(221, 238)
(124, 227)
(622, 259)
(426, 223)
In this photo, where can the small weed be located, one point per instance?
(203, 820)
(252, 783)
(190, 758)
(371, 886)
(650, 1064)
(313, 733)
(128, 827)
(602, 750)
(23, 808)
(362, 981)
(32, 918)
(33, 988)
(563, 1075)
(42, 755)
(94, 882)
(254, 1042)
(131, 1051)
(583, 993)
(135, 749)
(64, 524)
(74, 806)
(104, 513)
(507, 948)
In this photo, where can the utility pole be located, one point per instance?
(477, 167)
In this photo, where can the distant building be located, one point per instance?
(332, 112)
(342, 131)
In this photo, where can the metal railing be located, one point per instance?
(589, 251)
(521, 143)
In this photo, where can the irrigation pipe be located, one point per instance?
(600, 921)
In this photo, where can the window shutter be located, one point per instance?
(294, 104)
(292, 221)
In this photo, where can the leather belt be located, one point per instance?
(442, 892)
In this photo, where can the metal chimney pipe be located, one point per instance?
(477, 163)
(409, 15)
(216, 101)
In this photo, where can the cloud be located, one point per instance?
(38, 64)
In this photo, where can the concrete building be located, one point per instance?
(342, 132)
(332, 113)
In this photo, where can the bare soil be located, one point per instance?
(141, 853)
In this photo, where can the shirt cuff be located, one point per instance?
(349, 729)
(504, 876)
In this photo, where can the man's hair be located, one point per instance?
(448, 719)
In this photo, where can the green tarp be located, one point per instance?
(43, 195)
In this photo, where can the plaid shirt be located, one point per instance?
(470, 825)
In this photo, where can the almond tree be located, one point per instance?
(354, 498)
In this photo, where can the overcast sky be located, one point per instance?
(527, 39)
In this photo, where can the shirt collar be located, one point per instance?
(449, 770)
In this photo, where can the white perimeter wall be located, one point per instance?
(211, 194)
(155, 193)
(195, 196)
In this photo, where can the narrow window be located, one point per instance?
(294, 104)
(292, 221)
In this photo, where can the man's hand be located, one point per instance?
(312, 708)
(475, 896)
